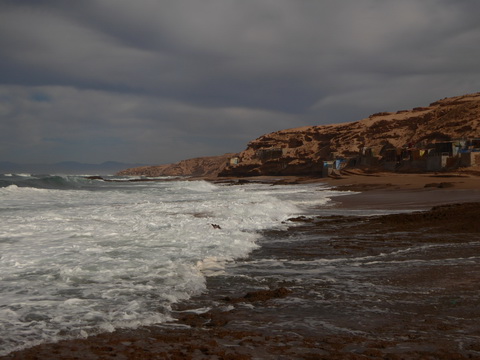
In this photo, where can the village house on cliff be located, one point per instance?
(420, 157)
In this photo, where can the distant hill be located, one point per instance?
(66, 167)
(202, 166)
(301, 151)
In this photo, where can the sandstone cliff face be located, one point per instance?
(202, 166)
(301, 151)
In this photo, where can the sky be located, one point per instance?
(158, 81)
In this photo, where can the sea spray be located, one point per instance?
(91, 256)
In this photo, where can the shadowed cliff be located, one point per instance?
(202, 166)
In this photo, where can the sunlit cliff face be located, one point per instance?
(300, 151)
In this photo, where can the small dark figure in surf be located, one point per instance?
(215, 226)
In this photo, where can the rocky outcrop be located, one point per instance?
(301, 151)
(202, 166)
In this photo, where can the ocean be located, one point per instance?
(83, 256)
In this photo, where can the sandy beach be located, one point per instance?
(391, 286)
(401, 191)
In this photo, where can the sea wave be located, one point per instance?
(44, 181)
(75, 262)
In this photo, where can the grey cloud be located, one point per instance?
(129, 126)
(151, 74)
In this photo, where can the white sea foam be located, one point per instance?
(16, 188)
(77, 262)
(9, 188)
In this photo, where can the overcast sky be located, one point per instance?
(157, 81)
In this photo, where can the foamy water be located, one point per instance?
(80, 257)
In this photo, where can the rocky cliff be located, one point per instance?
(202, 166)
(301, 151)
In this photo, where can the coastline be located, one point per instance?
(406, 191)
(223, 334)
(386, 190)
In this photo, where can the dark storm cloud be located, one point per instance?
(128, 80)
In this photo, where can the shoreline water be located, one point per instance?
(251, 321)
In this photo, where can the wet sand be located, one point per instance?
(400, 286)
